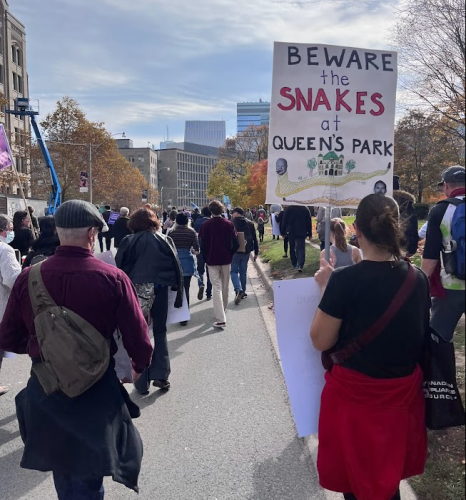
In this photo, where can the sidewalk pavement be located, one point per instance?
(311, 442)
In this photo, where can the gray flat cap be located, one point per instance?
(76, 214)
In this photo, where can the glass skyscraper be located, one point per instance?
(206, 133)
(252, 113)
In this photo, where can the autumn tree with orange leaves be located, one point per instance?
(69, 136)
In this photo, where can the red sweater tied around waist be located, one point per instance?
(372, 433)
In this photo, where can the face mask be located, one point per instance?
(10, 236)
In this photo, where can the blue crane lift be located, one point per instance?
(23, 108)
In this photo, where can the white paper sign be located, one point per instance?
(331, 124)
(296, 303)
(177, 315)
(107, 257)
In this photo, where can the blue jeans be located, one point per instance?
(201, 270)
(71, 488)
(239, 271)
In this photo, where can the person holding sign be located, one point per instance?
(371, 325)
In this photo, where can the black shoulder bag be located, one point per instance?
(444, 407)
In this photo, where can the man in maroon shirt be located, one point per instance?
(85, 438)
(219, 243)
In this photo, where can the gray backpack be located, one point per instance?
(74, 354)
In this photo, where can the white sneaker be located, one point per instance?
(220, 325)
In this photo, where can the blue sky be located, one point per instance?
(141, 66)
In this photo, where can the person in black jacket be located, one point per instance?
(46, 244)
(202, 268)
(23, 234)
(150, 258)
(239, 266)
(120, 228)
(109, 234)
(298, 226)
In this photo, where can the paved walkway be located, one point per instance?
(224, 431)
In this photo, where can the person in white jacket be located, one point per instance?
(10, 269)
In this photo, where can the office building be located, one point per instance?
(252, 113)
(206, 133)
(184, 174)
(14, 84)
(145, 159)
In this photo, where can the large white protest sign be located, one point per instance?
(296, 303)
(331, 124)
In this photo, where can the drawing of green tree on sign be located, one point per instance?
(350, 165)
(311, 165)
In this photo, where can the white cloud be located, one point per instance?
(83, 78)
(221, 25)
(141, 64)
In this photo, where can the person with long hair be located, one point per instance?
(23, 234)
(46, 244)
(343, 254)
(151, 262)
(372, 430)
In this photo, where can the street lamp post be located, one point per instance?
(161, 189)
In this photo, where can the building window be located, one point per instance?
(19, 58)
(18, 83)
(2, 81)
(13, 53)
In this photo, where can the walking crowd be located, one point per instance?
(375, 316)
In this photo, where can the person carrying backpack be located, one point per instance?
(444, 254)
(247, 238)
(75, 417)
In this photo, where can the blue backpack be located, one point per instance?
(458, 249)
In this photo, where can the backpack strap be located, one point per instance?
(40, 297)
(379, 326)
(453, 201)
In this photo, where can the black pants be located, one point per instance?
(286, 243)
(350, 496)
(297, 251)
(160, 366)
(187, 286)
(108, 242)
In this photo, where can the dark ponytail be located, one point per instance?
(338, 228)
(378, 219)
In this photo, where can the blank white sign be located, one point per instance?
(296, 302)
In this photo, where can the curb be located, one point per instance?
(311, 442)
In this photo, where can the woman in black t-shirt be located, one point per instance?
(372, 426)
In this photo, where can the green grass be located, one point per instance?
(271, 252)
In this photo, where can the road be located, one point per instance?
(223, 432)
